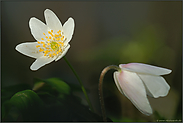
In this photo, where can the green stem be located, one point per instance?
(81, 84)
(104, 71)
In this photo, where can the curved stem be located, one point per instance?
(81, 84)
(104, 71)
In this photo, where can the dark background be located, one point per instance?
(106, 33)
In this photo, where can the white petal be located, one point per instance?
(29, 49)
(64, 52)
(41, 61)
(37, 28)
(156, 85)
(134, 90)
(52, 21)
(145, 69)
(116, 74)
(68, 29)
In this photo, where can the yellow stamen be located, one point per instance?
(52, 31)
(46, 36)
(48, 43)
(60, 50)
(43, 45)
(53, 47)
(43, 33)
(50, 34)
(54, 54)
(50, 37)
(42, 38)
(61, 43)
(48, 40)
(38, 46)
(62, 39)
(41, 50)
(38, 42)
(57, 52)
(49, 55)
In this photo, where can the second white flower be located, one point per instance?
(137, 80)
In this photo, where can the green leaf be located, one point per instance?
(38, 85)
(60, 86)
(49, 99)
(28, 102)
(78, 112)
(5, 108)
(56, 83)
(8, 92)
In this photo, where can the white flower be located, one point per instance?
(135, 80)
(52, 39)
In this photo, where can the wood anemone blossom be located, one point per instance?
(52, 39)
(136, 81)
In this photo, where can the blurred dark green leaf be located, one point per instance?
(5, 107)
(56, 83)
(68, 108)
(60, 86)
(29, 104)
(51, 101)
(38, 85)
(79, 112)
(8, 92)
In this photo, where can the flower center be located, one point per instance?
(53, 44)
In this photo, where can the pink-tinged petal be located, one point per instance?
(116, 74)
(64, 52)
(145, 69)
(37, 28)
(68, 29)
(41, 61)
(52, 21)
(134, 90)
(29, 49)
(156, 85)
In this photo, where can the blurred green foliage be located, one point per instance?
(49, 100)
(147, 45)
